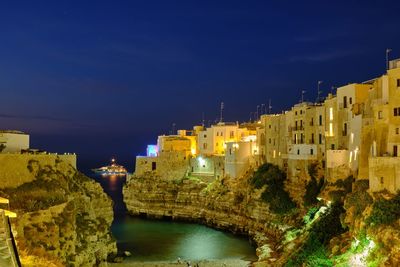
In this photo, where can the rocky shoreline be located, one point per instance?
(222, 204)
(200, 263)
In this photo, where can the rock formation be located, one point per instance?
(64, 217)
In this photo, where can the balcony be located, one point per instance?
(296, 128)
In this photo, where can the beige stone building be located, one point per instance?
(13, 141)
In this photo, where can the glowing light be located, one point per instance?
(351, 156)
(274, 154)
(330, 129)
(352, 138)
(201, 161)
(331, 114)
(193, 150)
(360, 259)
(152, 150)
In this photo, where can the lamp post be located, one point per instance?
(388, 50)
(318, 91)
(269, 106)
(302, 95)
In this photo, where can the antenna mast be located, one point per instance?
(222, 109)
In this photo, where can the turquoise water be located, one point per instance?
(155, 240)
(150, 240)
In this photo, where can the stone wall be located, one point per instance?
(169, 164)
(384, 174)
(14, 167)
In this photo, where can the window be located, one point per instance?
(333, 146)
(204, 145)
(269, 140)
(153, 166)
(301, 112)
(345, 102)
(217, 133)
(312, 139)
(395, 151)
(398, 82)
(230, 151)
(382, 180)
(320, 139)
(298, 151)
(269, 126)
(232, 134)
(311, 151)
(396, 112)
(312, 122)
(350, 100)
(295, 113)
(205, 136)
(345, 129)
(380, 116)
(222, 133)
(320, 119)
(397, 130)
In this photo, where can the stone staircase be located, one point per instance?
(7, 253)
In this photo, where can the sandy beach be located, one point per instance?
(201, 263)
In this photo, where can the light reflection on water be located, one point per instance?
(154, 240)
(151, 240)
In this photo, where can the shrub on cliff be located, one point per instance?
(313, 188)
(385, 211)
(359, 199)
(273, 178)
(313, 251)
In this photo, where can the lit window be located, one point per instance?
(331, 114)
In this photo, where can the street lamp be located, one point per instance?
(318, 91)
(388, 50)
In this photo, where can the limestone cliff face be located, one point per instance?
(63, 216)
(224, 204)
(386, 235)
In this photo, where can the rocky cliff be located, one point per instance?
(64, 217)
(224, 204)
(333, 224)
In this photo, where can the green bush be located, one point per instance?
(359, 199)
(313, 188)
(313, 251)
(274, 194)
(385, 211)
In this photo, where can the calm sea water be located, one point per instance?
(155, 240)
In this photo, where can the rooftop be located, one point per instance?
(11, 131)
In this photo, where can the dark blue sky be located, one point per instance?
(104, 78)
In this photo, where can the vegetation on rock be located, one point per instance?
(385, 211)
(273, 178)
(313, 252)
(313, 188)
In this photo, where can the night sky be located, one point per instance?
(104, 78)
